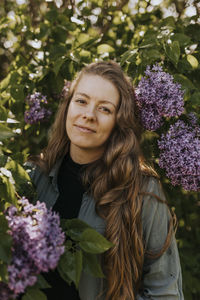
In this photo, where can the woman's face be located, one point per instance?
(91, 117)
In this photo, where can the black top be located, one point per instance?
(67, 205)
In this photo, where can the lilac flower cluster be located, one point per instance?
(158, 96)
(37, 244)
(180, 154)
(36, 112)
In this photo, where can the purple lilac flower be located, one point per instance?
(36, 112)
(37, 243)
(158, 96)
(180, 155)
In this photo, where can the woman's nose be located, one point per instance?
(90, 113)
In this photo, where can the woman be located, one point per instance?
(96, 133)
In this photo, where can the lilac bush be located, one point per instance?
(37, 244)
(36, 110)
(158, 96)
(180, 154)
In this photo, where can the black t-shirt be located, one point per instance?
(67, 205)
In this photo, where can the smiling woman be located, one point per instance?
(93, 169)
(91, 117)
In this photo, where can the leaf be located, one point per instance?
(193, 61)
(103, 48)
(70, 266)
(79, 266)
(8, 193)
(3, 160)
(5, 247)
(5, 82)
(5, 132)
(3, 113)
(168, 22)
(127, 55)
(173, 52)
(52, 15)
(91, 265)
(183, 39)
(41, 283)
(17, 92)
(150, 55)
(74, 228)
(3, 272)
(94, 242)
(3, 224)
(58, 64)
(17, 170)
(33, 294)
(184, 81)
(195, 98)
(57, 51)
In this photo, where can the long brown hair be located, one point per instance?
(115, 181)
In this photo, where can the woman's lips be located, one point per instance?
(84, 129)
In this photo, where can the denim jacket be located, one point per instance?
(162, 276)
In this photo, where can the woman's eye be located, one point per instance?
(105, 109)
(81, 101)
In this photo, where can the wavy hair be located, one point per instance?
(115, 181)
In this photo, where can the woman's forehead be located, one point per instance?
(95, 86)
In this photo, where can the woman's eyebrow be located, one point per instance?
(83, 94)
(88, 97)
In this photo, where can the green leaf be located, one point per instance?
(127, 56)
(88, 43)
(79, 266)
(94, 242)
(5, 247)
(103, 48)
(168, 22)
(70, 266)
(5, 82)
(3, 224)
(184, 81)
(41, 283)
(52, 15)
(57, 51)
(195, 98)
(193, 61)
(7, 192)
(33, 294)
(3, 160)
(17, 92)
(18, 171)
(74, 228)
(3, 272)
(173, 51)
(183, 39)
(150, 55)
(3, 113)
(58, 64)
(91, 265)
(5, 132)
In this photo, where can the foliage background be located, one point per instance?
(44, 43)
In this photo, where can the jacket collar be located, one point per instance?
(54, 173)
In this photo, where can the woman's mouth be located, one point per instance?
(85, 129)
